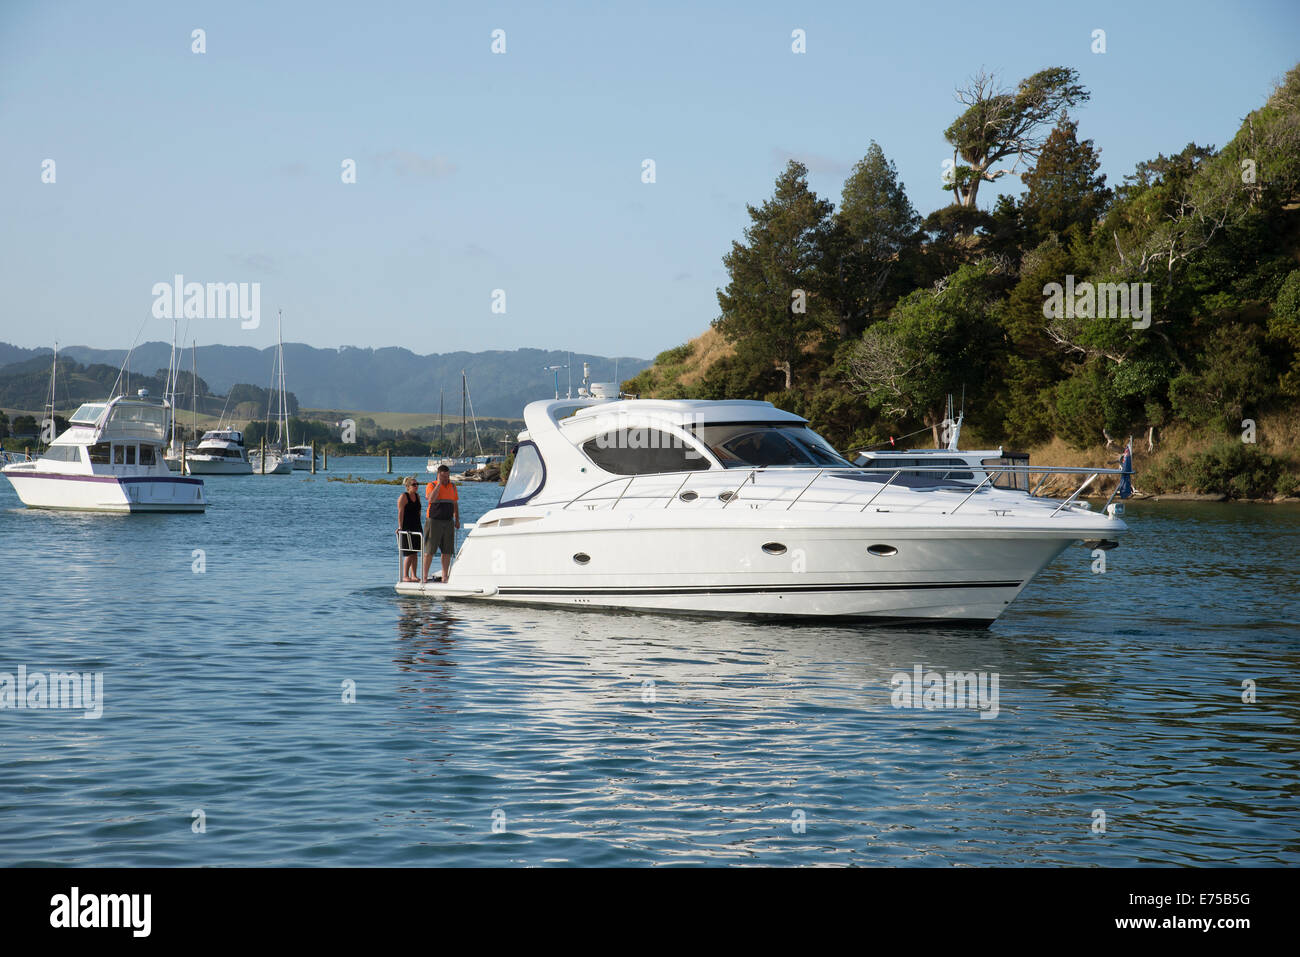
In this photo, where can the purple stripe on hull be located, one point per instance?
(121, 480)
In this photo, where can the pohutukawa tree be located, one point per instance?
(1000, 123)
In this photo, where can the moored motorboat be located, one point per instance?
(299, 457)
(739, 509)
(109, 459)
(969, 466)
(219, 452)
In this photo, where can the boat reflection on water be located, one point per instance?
(604, 669)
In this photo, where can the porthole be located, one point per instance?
(774, 548)
(689, 496)
(725, 496)
(883, 551)
(582, 558)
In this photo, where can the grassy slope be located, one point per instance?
(671, 372)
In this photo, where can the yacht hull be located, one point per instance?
(196, 466)
(821, 573)
(107, 493)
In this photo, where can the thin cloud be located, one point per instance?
(407, 163)
(816, 163)
(256, 262)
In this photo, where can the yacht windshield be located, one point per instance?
(89, 413)
(139, 419)
(749, 444)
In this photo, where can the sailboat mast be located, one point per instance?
(172, 376)
(194, 385)
(284, 403)
(464, 439)
(54, 374)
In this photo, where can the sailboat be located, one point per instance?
(277, 456)
(174, 456)
(463, 461)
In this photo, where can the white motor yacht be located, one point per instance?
(737, 508)
(109, 459)
(299, 457)
(971, 466)
(219, 452)
(455, 465)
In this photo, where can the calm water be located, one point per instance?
(755, 744)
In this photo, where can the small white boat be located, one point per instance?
(454, 465)
(299, 457)
(109, 459)
(969, 467)
(276, 464)
(219, 452)
(739, 509)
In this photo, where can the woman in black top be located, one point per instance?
(408, 528)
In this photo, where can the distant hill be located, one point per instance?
(501, 383)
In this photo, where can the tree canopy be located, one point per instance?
(1074, 310)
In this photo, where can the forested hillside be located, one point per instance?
(1165, 306)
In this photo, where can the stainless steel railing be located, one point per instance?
(404, 543)
(592, 497)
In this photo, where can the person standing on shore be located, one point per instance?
(442, 518)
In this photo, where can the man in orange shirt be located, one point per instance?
(441, 521)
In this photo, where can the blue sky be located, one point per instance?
(520, 171)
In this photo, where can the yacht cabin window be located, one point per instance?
(750, 444)
(641, 451)
(526, 476)
(62, 453)
(929, 461)
(146, 455)
(1018, 480)
(99, 454)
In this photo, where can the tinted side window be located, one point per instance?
(526, 475)
(643, 452)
